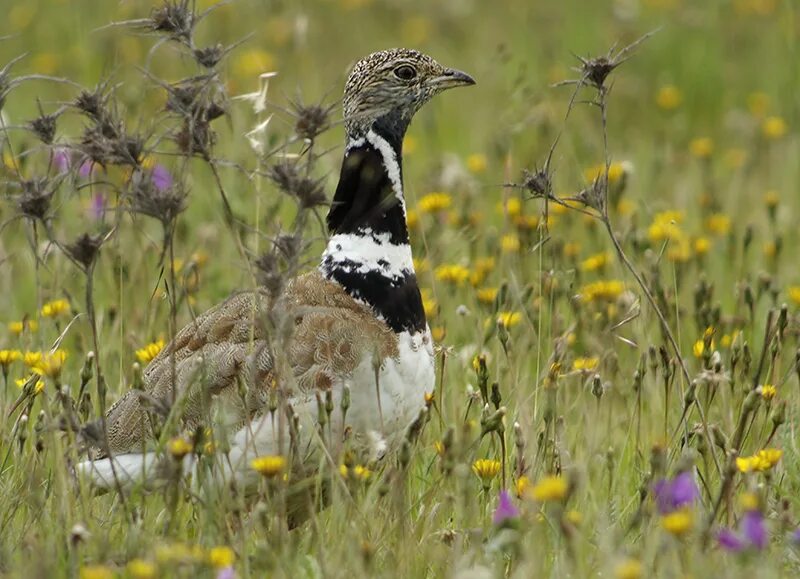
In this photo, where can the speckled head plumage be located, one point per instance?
(386, 88)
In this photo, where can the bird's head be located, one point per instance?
(386, 88)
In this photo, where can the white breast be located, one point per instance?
(402, 383)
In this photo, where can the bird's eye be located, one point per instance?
(405, 72)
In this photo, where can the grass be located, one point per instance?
(546, 340)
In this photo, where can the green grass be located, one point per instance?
(734, 65)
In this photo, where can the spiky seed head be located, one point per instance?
(391, 85)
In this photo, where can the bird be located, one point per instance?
(359, 335)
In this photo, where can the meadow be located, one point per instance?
(603, 230)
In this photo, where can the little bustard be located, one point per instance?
(358, 319)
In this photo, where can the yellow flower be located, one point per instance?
(701, 147)
(669, 97)
(749, 501)
(585, 364)
(150, 351)
(17, 328)
(574, 517)
(794, 294)
(455, 274)
(768, 391)
(434, 202)
(616, 171)
(666, 225)
(596, 262)
(476, 163)
(526, 222)
(522, 486)
(50, 364)
(550, 488)
(509, 319)
(438, 333)
(95, 572)
(510, 243)
(698, 348)
(268, 466)
(32, 359)
(252, 63)
(141, 569)
(678, 523)
(762, 461)
(702, 245)
(571, 249)
(55, 308)
(487, 295)
(628, 569)
(220, 557)
(774, 128)
(718, 224)
(179, 447)
(511, 207)
(37, 387)
(429, 304)
(769, 456)
(602, 290)
(758, 104)
(9, 356)
(771, 199)
(770, 249)
(410, 145)
(486, 469)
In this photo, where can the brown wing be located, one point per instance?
(330, 335)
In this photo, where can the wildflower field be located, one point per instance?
(604, 228)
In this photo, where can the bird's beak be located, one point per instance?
(451, 78)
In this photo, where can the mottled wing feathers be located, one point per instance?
(331, 335)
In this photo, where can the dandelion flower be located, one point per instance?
(453, 274)
(628, 569)
(219, 557)
(486, 469)
(774, 128)
(678, 523)
(550, 488)
(701, 147)
(510, 244)
(179, 447)
(141, 569)
(476, 163)
(95, 572)
(55, 308)
(434, 203)
(150, 351)
(768, 391)
(7, 357)
(50, 364)
(585, 364)
(669, 98)
(596, 262)
(485, 295)
(509, 319)
(269, 466)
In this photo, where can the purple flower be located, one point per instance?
(795, 537)
(677, 493)
(730, 541)
(226, 573)
(754, 529)
(505, 509)
(61, 160)
(752, 533)
(161, 177)
(97, 206)
(86, 168)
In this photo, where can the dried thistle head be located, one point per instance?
(85, 249)
(195, 137)
(312, 120)
(176, 19)
(162, 203)
(107, 143)
(44, 126)
(538, 182)
(34, 203)
(210, 56)
(268, 273)
(295, 183)
(93, 103)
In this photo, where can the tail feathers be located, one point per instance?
(129, 470)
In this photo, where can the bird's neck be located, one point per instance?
(368, 252)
